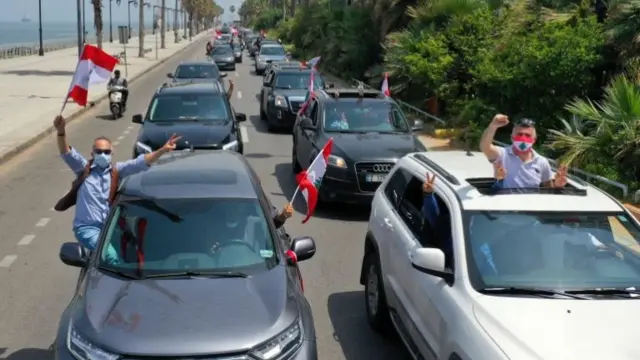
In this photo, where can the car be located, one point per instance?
(283, 93)
(225, 37)
(513, 258)
(286, 63)
(167, 282)
(223, 57)
(200, 113)
(268, 53)
(196, 71)
(237, 51)
(362, 154)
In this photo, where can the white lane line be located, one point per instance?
(126, 132)
(237, 74)
(8, 260)
(115, 143)
(42, 222)
(26, 240)
(120, 138)
(239, 94)
(130, 127)
(244, 134)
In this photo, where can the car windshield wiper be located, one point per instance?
(193, 273)
(528, 291)
(119, 273)
(605, 291)
(149, 204)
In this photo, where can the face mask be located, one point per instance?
(102, 160)
(522, 144)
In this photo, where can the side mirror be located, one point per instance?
(136, 119)
(73, 254)
(431, 261)
(223, 75)
(306, 124)
(302, 248)
(170, 75)
(418, 125)
(240, 117)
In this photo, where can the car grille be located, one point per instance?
(365, 168)
(295, 105)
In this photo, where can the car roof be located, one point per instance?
(189, 175)
(195, 87)
(270, 45)
(196, 63)
(460, 169)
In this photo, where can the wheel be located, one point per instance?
(374, 298)
(295, 164)
(233, 68)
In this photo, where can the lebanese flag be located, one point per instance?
(309, 180)
(95, 66)
(234, 31)
(385, 85)
(311, 93)
(313, 63)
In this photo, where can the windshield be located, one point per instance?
(197, 71)
(365, 116)
(188, 107)
(298, 81)
(272, 50)
(195, 235)
(222, 50)
(557, 251)
(225, 37)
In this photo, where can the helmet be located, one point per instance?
(116, 73)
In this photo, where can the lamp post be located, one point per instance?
(84, 23)
(135, 4)
(41, 49)
(79, 24)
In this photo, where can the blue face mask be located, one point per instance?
(102, 160)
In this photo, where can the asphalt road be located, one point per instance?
(36, 286)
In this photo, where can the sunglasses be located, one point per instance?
(526, 123)
(102, 151)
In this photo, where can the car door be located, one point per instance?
(306, 140)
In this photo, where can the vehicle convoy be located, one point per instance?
(544, 273)
(267, 54)
(196, 71)
(223, 57)
(229, 285)
(199, 112)
(370, 133)
(116, 103)
(237, 50)
(283, 93)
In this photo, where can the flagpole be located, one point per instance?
(66, 97)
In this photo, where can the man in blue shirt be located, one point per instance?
(92, 206)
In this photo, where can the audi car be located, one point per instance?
(172, 279)
(370, 134)
(200, 113)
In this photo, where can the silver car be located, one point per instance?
(267, 54)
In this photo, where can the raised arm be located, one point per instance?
(71, 157)
(486, 141)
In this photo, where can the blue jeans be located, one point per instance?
(88, 237)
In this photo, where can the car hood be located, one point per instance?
(550, 329)
(193, 133)
(272, 57)
(292, 94)
(219, 57)
(179, 317)
(374, 146)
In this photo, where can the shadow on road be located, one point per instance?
(259, 125)
(105, 117)
(345, 212)
(38, 73)
(352, 332)
(28, 354)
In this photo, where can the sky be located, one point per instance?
(65, 10)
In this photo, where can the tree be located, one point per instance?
(232, 9)
(97, 20)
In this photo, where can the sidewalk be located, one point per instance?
(33, 88)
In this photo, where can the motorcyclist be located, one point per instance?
(117, 80)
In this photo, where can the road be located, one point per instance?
(36, 286)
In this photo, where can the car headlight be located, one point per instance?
(280, 101)
(232, 145)
(229, 58)
(285, 343)
(337, 161)
(143, 148)
(83, 349)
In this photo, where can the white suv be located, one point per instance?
(537, 274)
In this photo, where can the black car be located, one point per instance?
(196, 71)
(237, 51)
(190, 266)
(199, 112)
(223, 57)
(283, 93)
(370, 133)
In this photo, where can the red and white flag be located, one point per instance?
(310, 92)
(313, 63)
(309, 180)
(95, 66)
(385, 85)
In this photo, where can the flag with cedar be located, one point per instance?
(309, 180)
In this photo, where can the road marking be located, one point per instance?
(237, 74)
(8, 260)
(120, 138)
(26, 240)
(126, 132)
(244, 133)
(130, 127)
(115, 143)
(42, 222)
(239, 94)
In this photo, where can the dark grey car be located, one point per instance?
(196, 71)
(190, 266)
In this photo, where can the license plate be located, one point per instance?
(375, 178)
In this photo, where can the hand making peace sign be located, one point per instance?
(170, 145)
(561, 176)
(427, 187)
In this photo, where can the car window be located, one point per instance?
(188, 107)
(272, 50)
(222, 50)
(178, 235)
(298, 81)
(364, 116)
(396, 186)
(549, 250)
(410, 206)
(197, 72)
(314, 113)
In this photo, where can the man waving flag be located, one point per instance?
(309, 180)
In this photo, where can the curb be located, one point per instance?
(44, 133)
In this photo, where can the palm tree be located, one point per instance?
(97, 20)
(141, 5)
(232, 9)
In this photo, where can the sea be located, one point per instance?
(26, 33)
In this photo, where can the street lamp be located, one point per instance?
(41, 49)
(135, 4)
(84, 23)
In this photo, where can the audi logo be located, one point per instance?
(382, 168)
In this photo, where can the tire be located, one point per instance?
(375, 305)
(295, 164)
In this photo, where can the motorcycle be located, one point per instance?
(115, 101)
